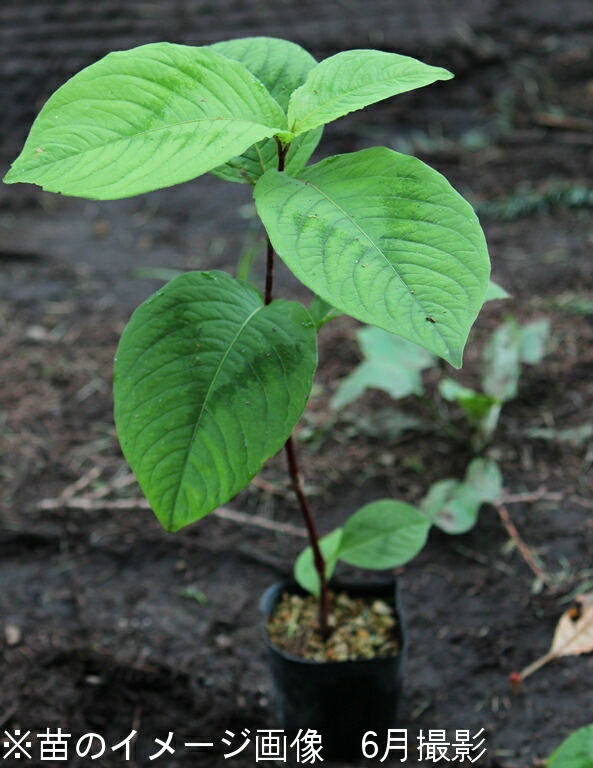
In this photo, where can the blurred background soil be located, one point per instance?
(109, 624)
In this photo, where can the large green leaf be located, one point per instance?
(384, 238)
(383, 534)
(352, 80)
(208, 384)
(575, 752)
(143, 119)
(390, 363)
(282, 67)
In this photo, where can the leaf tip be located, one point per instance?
(455, 358)
(9, 177)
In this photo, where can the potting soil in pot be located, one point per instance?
(360, 628)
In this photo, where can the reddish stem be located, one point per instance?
(297, 484)
(293, 466)
(282, 151)
(269, 271)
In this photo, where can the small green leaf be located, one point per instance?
(282, 67)
(383, 534)
(495, 292)
(476, 405)
(453, 506)
(384, 238)
(501, 362)
(440, 496)
(391, 364)
(352, 80)
(485, 478)
(145, 119)
(534, 337)
(575, 752)
(305, 572)
(209, 383)
(322, 312)
(453, 392)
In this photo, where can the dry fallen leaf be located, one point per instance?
(573, 635)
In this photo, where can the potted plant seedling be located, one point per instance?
(211, 376)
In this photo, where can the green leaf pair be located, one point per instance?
(388, 533)
(382, 534)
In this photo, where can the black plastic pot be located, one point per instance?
(341, 700)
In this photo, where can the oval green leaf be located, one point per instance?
(383, 534)
(144, 119)
(282, 67)
(352, 80)
(384, 238)
(209, 383)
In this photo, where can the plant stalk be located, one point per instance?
(293, 465)
(282, 151)
(318, 559)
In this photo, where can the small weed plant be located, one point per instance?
(211, 376)
(395, 365)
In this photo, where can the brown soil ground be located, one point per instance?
(108, 624)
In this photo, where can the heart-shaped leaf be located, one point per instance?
(384, 238)
(144, 119)
(282, 67)
(209, 383)
(352, 80)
